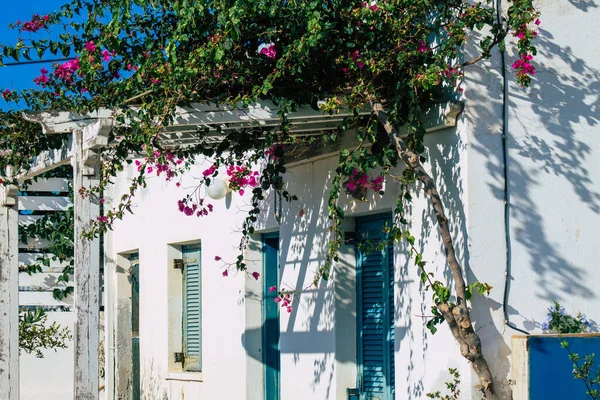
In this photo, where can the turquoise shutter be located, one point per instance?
(375, 312)
(192, 309)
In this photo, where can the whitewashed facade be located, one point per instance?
(521, 186)
(553, 205)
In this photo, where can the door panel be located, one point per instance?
(271, 355)
(375, 309)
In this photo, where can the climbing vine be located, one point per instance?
(382, 63)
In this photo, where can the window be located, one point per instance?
(192, 308)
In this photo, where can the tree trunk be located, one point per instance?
(456, 316)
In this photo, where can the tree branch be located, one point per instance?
(457, 317)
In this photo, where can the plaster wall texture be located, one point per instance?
(554, 196)
(553, 181)
(318, 339)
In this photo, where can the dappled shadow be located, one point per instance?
(560, 100)
(584, 5)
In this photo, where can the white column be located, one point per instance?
(87, 273)
(9, 294)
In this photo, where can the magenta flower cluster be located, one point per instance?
(284, 299)
(43, 78)
(360, 181)
(373, 6)
(37, 22)
(190, 208)
(524, 68)
(268, 50)
(357, 58)
(274, 152)
(161, 162)
(523, 65)
(66, 70)
(241, 177)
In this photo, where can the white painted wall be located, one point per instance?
(554, 211)
(554, 180)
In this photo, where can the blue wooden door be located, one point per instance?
(375, 309)
(271, 353)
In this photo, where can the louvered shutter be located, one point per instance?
(192, 309)
(376, 312)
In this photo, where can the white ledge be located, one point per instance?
(185, 376)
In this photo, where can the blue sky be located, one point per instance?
(21, 76)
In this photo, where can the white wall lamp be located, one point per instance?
(218, 189)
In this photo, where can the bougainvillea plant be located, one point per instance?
(382, 63)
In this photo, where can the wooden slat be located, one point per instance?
(42, 299)
(48, 185)
(42, 279)
(28, 219)
(45, 203)
(35, 244)
(32, 258)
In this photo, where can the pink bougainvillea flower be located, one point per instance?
(377, 183)
(273, 289)
(35, 24)
(241, 192)
(106, 55)
(43, 71)
(422, 47)
(268, 50)
(90, 46)
(537, 21)
(373, 7)
(255, 275)
(6, 93)
(277, 299)
(41, 80)
(209, 171)
(289, 309)
(217, 258)
(225, 273)
(66, 70)
(520, 35)
(84, 90)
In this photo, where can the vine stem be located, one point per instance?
(456, 315)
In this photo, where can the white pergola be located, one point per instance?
(87, 135)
